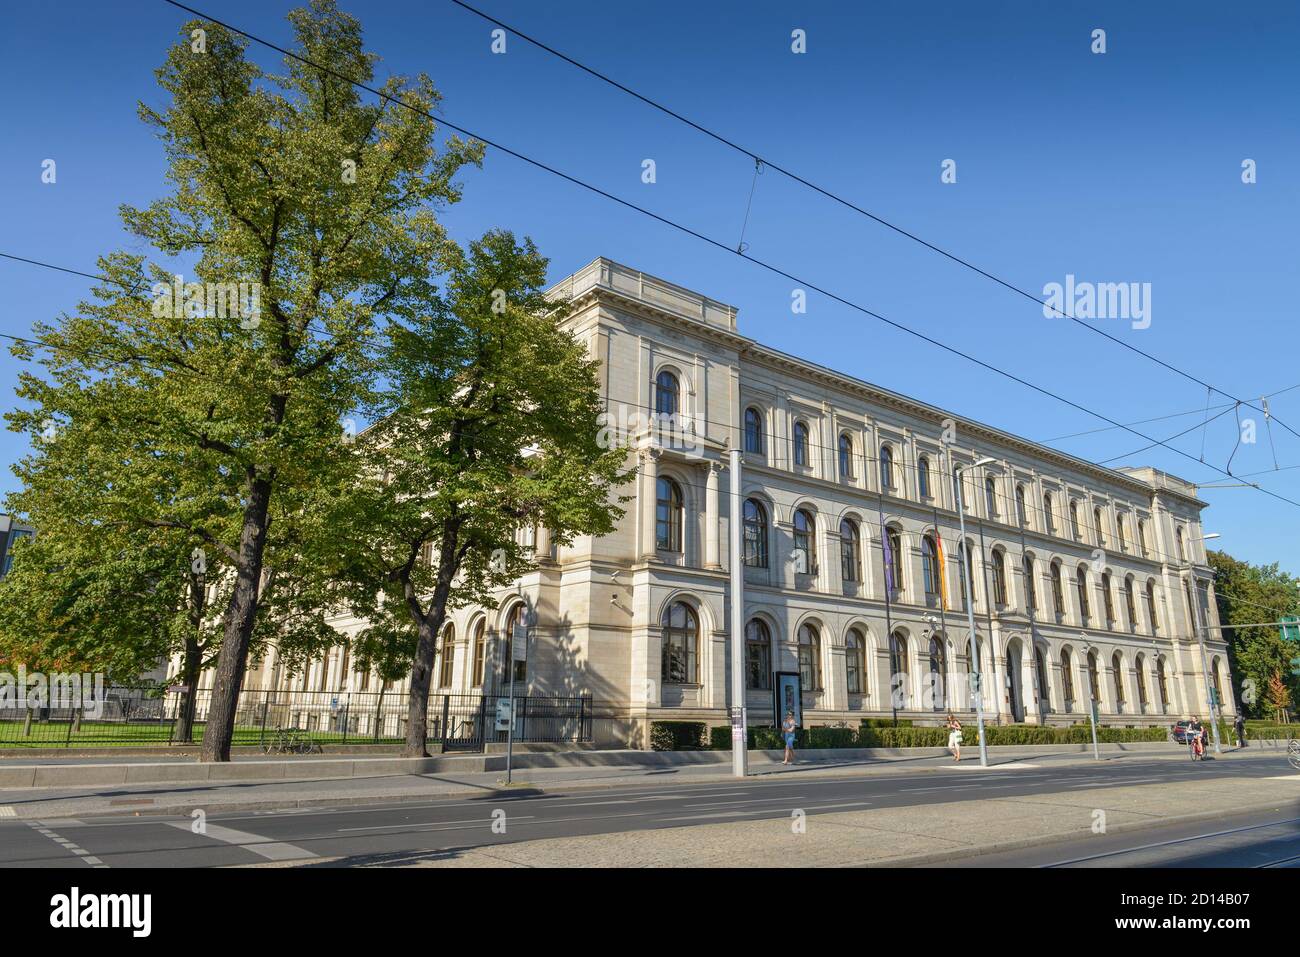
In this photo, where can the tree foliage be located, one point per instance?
(1256, 593)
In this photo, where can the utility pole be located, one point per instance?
(739, 714)
(964, 561)
(1092, 695)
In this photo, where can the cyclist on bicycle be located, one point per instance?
(1197, 733)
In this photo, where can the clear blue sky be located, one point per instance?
(1122, 167)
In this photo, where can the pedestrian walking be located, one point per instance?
(788, 728)
(954, 736)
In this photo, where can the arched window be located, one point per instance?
(1120, 533)
(959, 488)
(1151, 608)
(991, 496)
(447, 672)
(855, 661)
(800, 444)
(1139, 664)
(1074, 520)
(1097, 526)
(1081, 585)
(805, 543)
(758, 656)
(1093, 684)
(1178, 537)
(1108, 602)
(1022, 514)
(755, 534)
(1031, 586)
(753, 431)
(810, 658)
(518, 617)
(1130, 604)
(930, 570)
(1142, 537)
(846, 456)
(1162, 684)
(886, 468)
(480, 651)
(1049, 519)
(1058, 591)
(680, 634)
(1067, 679)
(667, 393)
(923, 476)
(1117, 673)
(895, 542)
(850, 551)
(668, 516)
(938, 672)
(999, 577)
(1044, 696)
(900, 682)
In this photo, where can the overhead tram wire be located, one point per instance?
(691, 232)
(851, 205)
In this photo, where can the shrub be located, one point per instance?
(677, 735)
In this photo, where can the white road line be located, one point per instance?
(66, 844)
(7, 810)
(766, 800)
(434, 825)
(827, 807)
(1284, 777)
(262, 846)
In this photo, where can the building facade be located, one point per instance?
(1088, 582)
(11, 531)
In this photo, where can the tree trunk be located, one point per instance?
(238, 628)
(190, 678)
(428, 625)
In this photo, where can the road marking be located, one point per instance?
(7, 811)
(765, 800)
(1284, 777)
(827, 807)
(434, 825)
(265, 847)
(706, 817)
(994, 767)
(66, 844)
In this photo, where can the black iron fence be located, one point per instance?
(136, 716)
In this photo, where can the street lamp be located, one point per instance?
(970, 605)
(1205, 661)
(1092, 695)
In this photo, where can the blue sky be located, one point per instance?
(1121, 167)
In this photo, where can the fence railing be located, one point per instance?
(134, 716)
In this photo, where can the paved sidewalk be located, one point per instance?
(182, 798)
(896, 836)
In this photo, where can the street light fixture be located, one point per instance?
(970, 606)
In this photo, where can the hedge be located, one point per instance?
(871, 736)
(677, 735)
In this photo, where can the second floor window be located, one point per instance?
(753, 431)
(846, 457)
(668, 516)
(930, 570)
(667, 393)
(923, 476)
(755, 534)
(886, 468)
(1021, 513)
(800, 444)
(1058, 592)
(999, 571)
(1081, 585)
(991, 496)
(1031, 587)
(805, 543)
(850, 553)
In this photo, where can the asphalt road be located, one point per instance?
(408, 832)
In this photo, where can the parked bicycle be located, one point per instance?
(290, 741)
(1293, 753)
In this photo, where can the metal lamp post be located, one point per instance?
(1092, 695)
(1205, 661)
(970, 607)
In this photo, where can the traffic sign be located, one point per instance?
(519, 643)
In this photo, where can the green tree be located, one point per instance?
(1256, 593)
(488, 425)
(324, 207)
